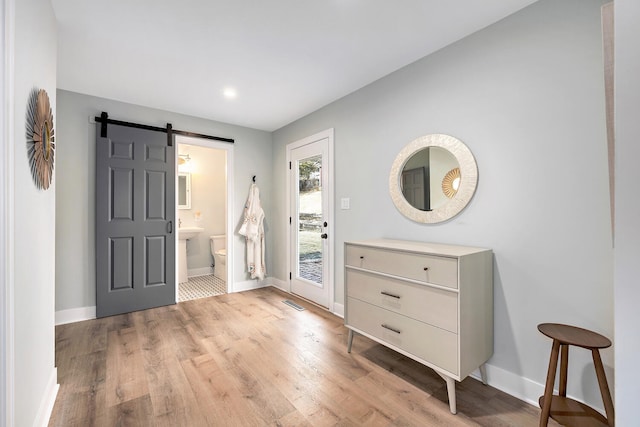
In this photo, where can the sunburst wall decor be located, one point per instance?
(451, 182)
(40, 146)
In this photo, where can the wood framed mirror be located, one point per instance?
(421, 182)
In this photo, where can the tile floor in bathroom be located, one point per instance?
(201, 287)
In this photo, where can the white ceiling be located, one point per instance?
(285, 58)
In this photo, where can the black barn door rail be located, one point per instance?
(104, 120)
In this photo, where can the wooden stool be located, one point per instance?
(567, 411)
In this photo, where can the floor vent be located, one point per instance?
(293, 304)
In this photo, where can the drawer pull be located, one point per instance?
(426, 268)
(390, 295)
(361, 257)
(390, 328)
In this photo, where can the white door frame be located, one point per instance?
(328, 134)
(7, 155)
(208, 143)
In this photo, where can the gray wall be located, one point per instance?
(527, 96)
(34, 223)
(75, 208)
(627, 291)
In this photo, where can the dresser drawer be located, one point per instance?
(425, 268)
(424, 341)
(429, 305)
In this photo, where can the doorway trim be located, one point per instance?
(328, 134)
(207, 143)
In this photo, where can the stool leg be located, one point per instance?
(548, 388)
(604, 388)
(564, 364)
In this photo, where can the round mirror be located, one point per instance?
(433, 178)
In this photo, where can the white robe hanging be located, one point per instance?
(253, 230)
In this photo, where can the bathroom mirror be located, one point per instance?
(433, 178)
(184, 190)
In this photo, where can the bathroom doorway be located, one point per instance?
(203, 184)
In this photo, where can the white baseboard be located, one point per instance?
(283, 285)
(48, 400)
(87, 313)
(338, 309)
(519, 387)
(75, 315)
(193, 272)
(280, 284)
(248, 285)
(515, 385)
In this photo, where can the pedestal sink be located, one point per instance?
(184, 234)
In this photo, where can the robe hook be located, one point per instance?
(254, 178)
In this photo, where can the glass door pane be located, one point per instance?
(310, 228)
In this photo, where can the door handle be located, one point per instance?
(170, 227)
(324, 235)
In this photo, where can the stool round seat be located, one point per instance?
(572, 335)
(563, 409)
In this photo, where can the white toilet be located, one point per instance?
(219, 252)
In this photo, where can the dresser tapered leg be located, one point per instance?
(451, 391)
(349, 341)
(483, 373)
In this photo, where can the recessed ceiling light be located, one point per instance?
(229, 93)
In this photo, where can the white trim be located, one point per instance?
(180, 139)
(89, 313)
(283, 285)
(519, 387)
(248, 285)
(75, 315)
(338, 309)
(49, 399)
(7, 356)
(512, 384)
(329, 134)
(195, 272)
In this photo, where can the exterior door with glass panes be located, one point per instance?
(309, 208)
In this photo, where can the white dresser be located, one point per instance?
(430, 302)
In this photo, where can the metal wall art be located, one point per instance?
(40, 146)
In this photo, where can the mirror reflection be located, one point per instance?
(423, 178)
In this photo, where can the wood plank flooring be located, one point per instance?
(247, 359)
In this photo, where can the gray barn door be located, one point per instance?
(135, 210)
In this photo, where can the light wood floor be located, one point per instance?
(247, 359)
